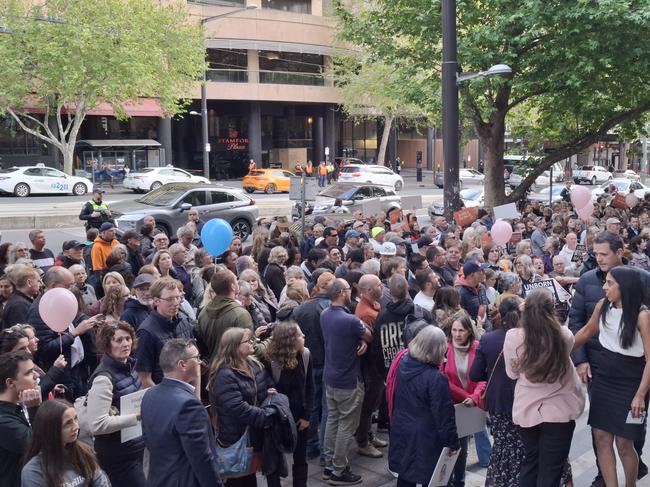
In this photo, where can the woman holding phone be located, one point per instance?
(621, 378)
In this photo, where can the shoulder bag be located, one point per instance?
(482, 398)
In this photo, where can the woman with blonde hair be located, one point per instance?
(237, 385)
(110, 280)
(525, 269)
(163, 262)
(275, 269)
(289, 364)
(260, 237)
(264, 300)
(112, 305)
(297, 293)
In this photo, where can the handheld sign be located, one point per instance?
(578, 253)
(545, 283)
(466, 216)
(516, 238)
(130, 404)
(444, 468)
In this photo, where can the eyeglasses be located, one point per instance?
(250, 340)
(172, 299)
(346, 289)
(195, 357)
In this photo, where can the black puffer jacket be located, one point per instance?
(233, 398)
(135, 312)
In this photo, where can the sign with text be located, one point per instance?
(466, 216)
(578, 253)
(130, 404)
(544, 283)
(516, 238)
(469, 420)
(444, 468)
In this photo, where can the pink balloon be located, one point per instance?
(580, 196)
(58, 307)
(501, 232)
(631, 200)
(586, 211)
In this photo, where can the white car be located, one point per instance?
(626, 174)
(471, 198)
(623, 186)
(150, 178)
(465, 176)
(39, 179)
(371, 174)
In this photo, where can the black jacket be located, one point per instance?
(280, 438)
(16, 309)
(134, 312)
(588, 291)
(236, 402)
(16, 435)
(307, 315)
(274, 279)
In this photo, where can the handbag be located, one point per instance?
(482, 398)
(235, 460)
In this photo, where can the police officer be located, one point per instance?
(95, 212)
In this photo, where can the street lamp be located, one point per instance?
(450, 81)
(204, 96)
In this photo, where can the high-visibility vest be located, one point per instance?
(322, 171)
(309, 168)
(97, 207)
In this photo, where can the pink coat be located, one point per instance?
(458, 392)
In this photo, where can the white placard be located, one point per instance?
(130, 404)
(411, 202)
(506, 212)
(444, 468)
(371, 206)
(469, 420)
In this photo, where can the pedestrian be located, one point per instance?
(95, 212)
(114, 378)
(175, 425)
(423, 421)
(309, 169)
(622, 377)
(55, 455)
(238, 384)
(345, 337)
(290, 366)
(489, 367)
(548, 397)
(322, 175)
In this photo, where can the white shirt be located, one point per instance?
(424, 301)
(610, 335)
(567, 254)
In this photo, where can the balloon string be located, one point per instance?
(60, 344)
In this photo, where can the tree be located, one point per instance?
(92, 52)
(374, 90)
(581, 66)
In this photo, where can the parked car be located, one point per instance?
(622, 186)
(169, 204)
(352, 196)
(543, 195)
(591, 174)
(39, 179)
(466, 177)
(470, 198)
(627, 174)
(371, 174)
(518, 174)
(267, 180)
(150, 178)
(346, 161)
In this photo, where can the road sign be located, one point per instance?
(207, 147)
(295, 190)
(327, 151)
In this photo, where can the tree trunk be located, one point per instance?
(381, 155)
(68, 158)
(491, 137)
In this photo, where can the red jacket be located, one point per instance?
(473, 389)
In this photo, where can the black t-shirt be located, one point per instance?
(43, 259)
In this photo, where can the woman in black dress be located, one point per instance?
(621, 378)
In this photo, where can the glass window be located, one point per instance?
(33, 171)
(220, 197)
(380, 192)
(297, 6)
(181, 174)
(365, 191)
(195, 198)
(227, 65)
(291, 68)
(52, 173)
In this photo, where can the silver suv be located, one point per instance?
(169, 205)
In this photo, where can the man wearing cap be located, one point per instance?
(73, 253)
(472, 292)
(423, 243)
(377, 235)
(102, 246)
(138, 306)
(95, 212)
(614, 225)
(351, 241)
(400, 246)
(132, 240)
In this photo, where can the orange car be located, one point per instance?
(267, 180)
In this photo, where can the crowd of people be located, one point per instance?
(357, 332)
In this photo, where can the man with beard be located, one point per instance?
(138, 306)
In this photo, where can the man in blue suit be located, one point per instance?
(175, 425)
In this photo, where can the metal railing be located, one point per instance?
(265, 76)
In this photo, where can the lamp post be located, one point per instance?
(450, 81)
(204, 96)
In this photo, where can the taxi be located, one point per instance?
(267, 180)
(40, 179)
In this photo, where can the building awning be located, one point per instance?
(144, 107)
(100, 144)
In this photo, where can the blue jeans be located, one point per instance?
(322, 181)
(483, 448)
(313, 438)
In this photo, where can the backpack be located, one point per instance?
(81, 407)
(276, 370)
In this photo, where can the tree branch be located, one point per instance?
(523, 98)
(35, 133)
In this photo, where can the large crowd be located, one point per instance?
(297, 345)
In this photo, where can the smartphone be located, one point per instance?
(632, 420)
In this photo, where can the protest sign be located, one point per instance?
(130, 404)
(469, 420)
(506, 212)
(516, 238)
(578, 253)
(466, 216)
(544, 283)
(444, 468)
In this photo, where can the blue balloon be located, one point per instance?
(216, 236)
